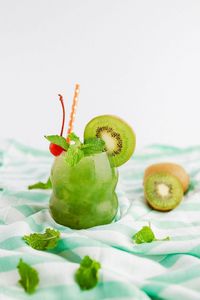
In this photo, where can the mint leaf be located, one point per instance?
(43, 241)
(78, 150)
(73, 137)
(41, 185)
(87, 274)
(74, 155)
(58, 140)
(93, 146)
(146, 235)
(29, 277)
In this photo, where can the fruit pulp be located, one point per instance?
(84, 195)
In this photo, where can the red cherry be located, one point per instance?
(55, 149)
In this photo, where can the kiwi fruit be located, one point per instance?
(118, 136)
(163, 191)
(170, 168)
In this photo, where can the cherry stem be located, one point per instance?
(63, 114)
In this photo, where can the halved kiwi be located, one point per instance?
(163, 191)
(171, 168)
(118, 136)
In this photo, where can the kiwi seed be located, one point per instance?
(100, 133)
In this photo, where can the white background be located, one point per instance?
(136, 59)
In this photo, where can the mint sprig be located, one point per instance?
(41, 185)
(58, 140)
(75, 150)
(43, 241)
(78, 150)
(73, 137)
(146, 235)
(87, 274)
(93, 146)
(29, 277)
(74, 155)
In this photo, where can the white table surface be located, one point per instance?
(137, 59)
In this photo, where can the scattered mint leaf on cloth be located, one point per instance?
(41, 185)
(87, 274)
(29, 277)
(58, 140)
(43, 241)
(146, 235)
(93, 146)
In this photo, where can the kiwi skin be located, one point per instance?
(170, 168)
(165, 178)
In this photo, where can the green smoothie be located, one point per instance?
(84, 174)
(84, 194)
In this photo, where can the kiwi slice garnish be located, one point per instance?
(163, 191)
(118, 136)
(170, 168)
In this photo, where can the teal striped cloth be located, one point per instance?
(157, 270)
